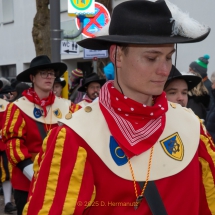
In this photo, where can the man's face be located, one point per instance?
(57, 89)
(93, 90)
(143, 70)
(177, 91)
(44, 80)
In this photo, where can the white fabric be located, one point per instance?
(7, 189)
(178, 119)
(60, 104)
(28, 171)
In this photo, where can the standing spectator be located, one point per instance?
(200, 67)
(199, 100)
(178, 84)
(75, 79)
(28, 120)
(138, 155)
(210, 119)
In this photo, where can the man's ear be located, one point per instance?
(115, 50)
(32, 78)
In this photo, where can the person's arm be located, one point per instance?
(14, 135)
(206, 153)
(63, 182)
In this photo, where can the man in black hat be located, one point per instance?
(91, 86)
(178, 84)
(28, 120)
(140, 155)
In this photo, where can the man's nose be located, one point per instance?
(164, 69)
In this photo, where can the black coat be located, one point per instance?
(210, 120)
(199, 105)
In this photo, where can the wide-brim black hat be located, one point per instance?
(61, 81)
(41, 62)
(143, 22)
(191, 79)
(93, 77)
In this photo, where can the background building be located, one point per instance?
(17, 47)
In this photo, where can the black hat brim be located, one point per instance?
(83, 87)
(62, 83)
(104, 42)
(191, 80)
(24, 76)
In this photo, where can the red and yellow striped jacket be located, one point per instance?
(23, 142)
(72, 179)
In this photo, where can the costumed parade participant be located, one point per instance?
(28, 120)
(178, 84)
(142, 154)
(5, 167)
(91, 87)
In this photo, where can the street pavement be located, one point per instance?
(2, 206)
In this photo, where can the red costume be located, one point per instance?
(85, 169)
(22, 136)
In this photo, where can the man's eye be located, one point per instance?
(151, 59)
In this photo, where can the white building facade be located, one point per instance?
(17, 47)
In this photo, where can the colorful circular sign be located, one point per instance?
(94, 24)
(81, 4)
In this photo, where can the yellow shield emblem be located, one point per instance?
(57, 113)
(173, 146)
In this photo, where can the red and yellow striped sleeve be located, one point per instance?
(63, 184)
(75, 107)
(14, 134)
(206, 153)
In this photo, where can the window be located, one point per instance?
(8, 71)
(7, 11)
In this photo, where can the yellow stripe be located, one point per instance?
(18, 150)
(53, 173)
(10, 168)
(206, 141)
(21, 128)
(12, 157)
(92, 197)
(208, 182)
(12, 125)
(36, 169)
(25, 210)
(75, 182)
(76, 108)
(7, 119)
(3, 176)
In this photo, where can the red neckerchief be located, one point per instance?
(135, 126)
(87, 99)
(32, 96)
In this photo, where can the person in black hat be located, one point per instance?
(91, 85)
(59, 84)
(178, 84)
(131, 151)
(28, 119)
